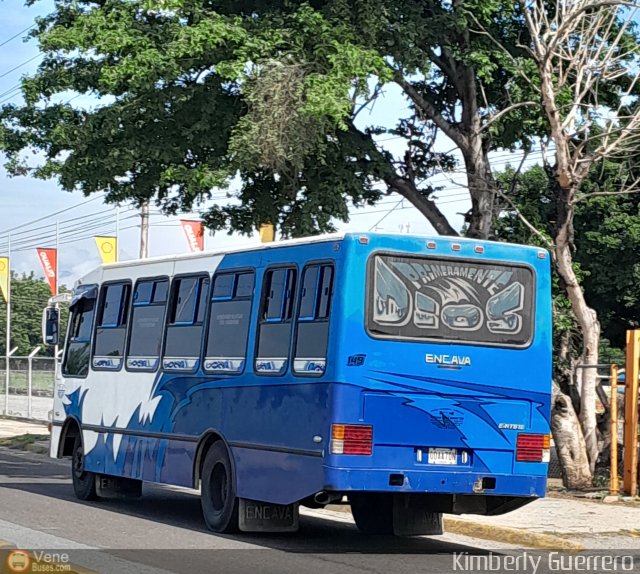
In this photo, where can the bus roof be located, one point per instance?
(275, 245)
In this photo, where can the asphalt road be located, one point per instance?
(164, 532)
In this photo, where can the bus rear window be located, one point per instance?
(420, 298)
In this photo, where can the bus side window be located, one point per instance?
(187, 309)
(76, 357)
(229, 322)
(312, 325)
(111, 329)
(147, 324)
(274, 331)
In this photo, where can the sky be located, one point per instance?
(24, 200)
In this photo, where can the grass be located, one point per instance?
(25, 442)
(41, 380)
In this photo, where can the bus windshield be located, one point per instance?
(428, 298)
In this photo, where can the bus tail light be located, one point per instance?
(351, 439)
(533, 448)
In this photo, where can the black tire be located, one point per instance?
(84, 482)
(218, 493)
(373, 512)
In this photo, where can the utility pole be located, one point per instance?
(144, 230)
(8, 341)
(117, 233)
(56, 347)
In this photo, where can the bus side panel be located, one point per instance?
(270, 423)
(270, 429)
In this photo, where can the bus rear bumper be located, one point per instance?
(434, 482)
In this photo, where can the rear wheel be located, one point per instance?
(218, 494)
(84, 482)
(373, 512)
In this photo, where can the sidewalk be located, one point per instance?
(546, 522)
(568, 518)
(23, 435)
(552, 522)
(11, 427)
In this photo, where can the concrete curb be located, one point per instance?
(515, 536)
(24, 420)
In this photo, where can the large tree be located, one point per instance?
(586, 54)
(607, 236)
(193, 94)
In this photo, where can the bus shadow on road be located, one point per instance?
(180, 508)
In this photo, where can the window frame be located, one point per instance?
(103, 287)
(130, 324)
(261, 308)
(68, 340)
(294, 342)
(170, 299)
(232, 271)
(369, 286)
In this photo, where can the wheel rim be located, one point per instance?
(218, 487)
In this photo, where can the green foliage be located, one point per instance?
(607, 239)
(189, 100)
(29, 296)
(611, 355)
(192, 95)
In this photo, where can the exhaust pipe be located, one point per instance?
(325, 498)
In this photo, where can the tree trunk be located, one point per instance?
(589, 329)
(591, 339)
(482, 189)
(422, 203)
(570, 445)
(406, 187)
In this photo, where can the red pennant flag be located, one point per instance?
(194, 231)
(49, 260)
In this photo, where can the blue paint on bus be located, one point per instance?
(416, 394)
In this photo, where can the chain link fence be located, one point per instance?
(31, 387)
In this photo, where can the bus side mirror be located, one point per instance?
(50, 326)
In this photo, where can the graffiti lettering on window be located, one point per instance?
(427, 298)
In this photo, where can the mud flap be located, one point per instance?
(413, 520)
(267, 517)
(117, 487)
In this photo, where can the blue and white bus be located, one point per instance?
(408, 375)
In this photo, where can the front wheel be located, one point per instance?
(373, 512)
(218, 494)
(84, 482)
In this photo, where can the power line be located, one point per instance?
(47, 230)
(49, 240)
(11, 89)
(11, 96)
(396, 206)
(48, 216)
(20, 65)
(69, 234)
(16, 35)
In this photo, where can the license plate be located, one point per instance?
(443, 456)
